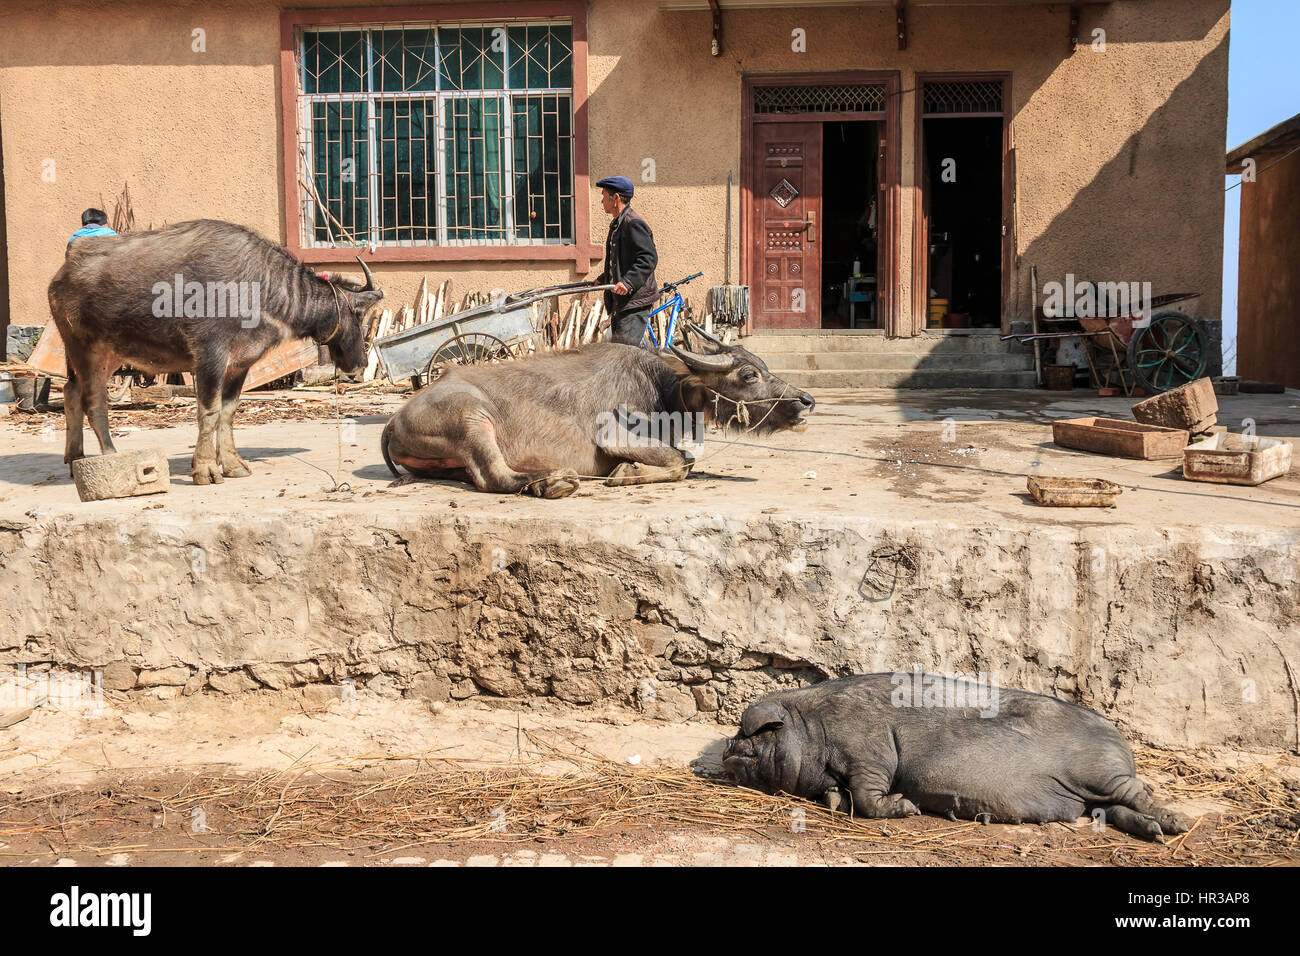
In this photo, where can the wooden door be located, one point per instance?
(786, 289)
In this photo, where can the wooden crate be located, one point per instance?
(1074, 492)
(1237, 459)
(1124, 439)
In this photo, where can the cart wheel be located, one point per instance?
(119, 388)
(1167, 353)
(471, 348)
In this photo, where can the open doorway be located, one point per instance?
(851, 177)
(821, 183)
(961, 177)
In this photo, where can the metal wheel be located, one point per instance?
(1167, 353)
(470, 348)
(119, 388)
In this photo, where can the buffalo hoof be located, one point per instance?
(207, 473)
(635, 473)
(236, 469)
(559, 485)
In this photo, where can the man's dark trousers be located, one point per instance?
(628, 327)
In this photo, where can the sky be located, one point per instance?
(1263, 90)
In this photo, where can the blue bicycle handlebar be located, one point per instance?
(673, 285)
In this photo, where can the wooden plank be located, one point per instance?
(285, 359)
(48, 356)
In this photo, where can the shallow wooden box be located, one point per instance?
(1074, 492)
(1115, 436)
(1237, 459)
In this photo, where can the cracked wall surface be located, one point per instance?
(1182, 636)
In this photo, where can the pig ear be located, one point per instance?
(763, 715)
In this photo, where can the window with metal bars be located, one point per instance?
(851, 98)
(949, 97)
(439, 135)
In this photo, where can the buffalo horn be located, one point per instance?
(704, 363)
(370, 279)
(699, 330)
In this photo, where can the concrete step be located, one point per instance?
(901, 378)
(840, 340)
(886, 361)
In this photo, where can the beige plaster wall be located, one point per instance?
(1119, 153)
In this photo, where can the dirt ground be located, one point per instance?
(271, 775)
(283, 779)
(866, 451)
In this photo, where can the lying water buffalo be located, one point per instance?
(206, 297)
(977, 752)
(605, 410)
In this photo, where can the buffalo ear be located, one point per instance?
(365, 300)
(762, 715)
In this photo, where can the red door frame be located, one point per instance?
(920, 242)
(890, 222)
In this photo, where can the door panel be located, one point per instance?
(787, 214)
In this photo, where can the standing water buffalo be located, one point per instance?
(539, 423)
(206, 297)
(977, 752)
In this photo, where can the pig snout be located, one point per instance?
(742, 762)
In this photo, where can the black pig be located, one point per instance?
(900, 744)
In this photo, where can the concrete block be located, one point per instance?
(1193, 407)
(121, 475)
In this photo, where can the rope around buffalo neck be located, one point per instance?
(338, 314)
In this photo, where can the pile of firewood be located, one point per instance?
(429, 306)
(578, 326)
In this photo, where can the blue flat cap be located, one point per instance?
(617, 184)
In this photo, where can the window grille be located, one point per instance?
(965, 96)
(447, 134)
(856, 98)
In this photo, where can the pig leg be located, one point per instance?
(869, 788)
(490, 472)
(204, 466)
(1133, 811)
(232, 465)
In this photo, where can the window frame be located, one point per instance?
(581, 252)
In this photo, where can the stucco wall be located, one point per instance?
(1119, 153)
(1268, 290)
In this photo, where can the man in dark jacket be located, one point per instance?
(630, 260)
